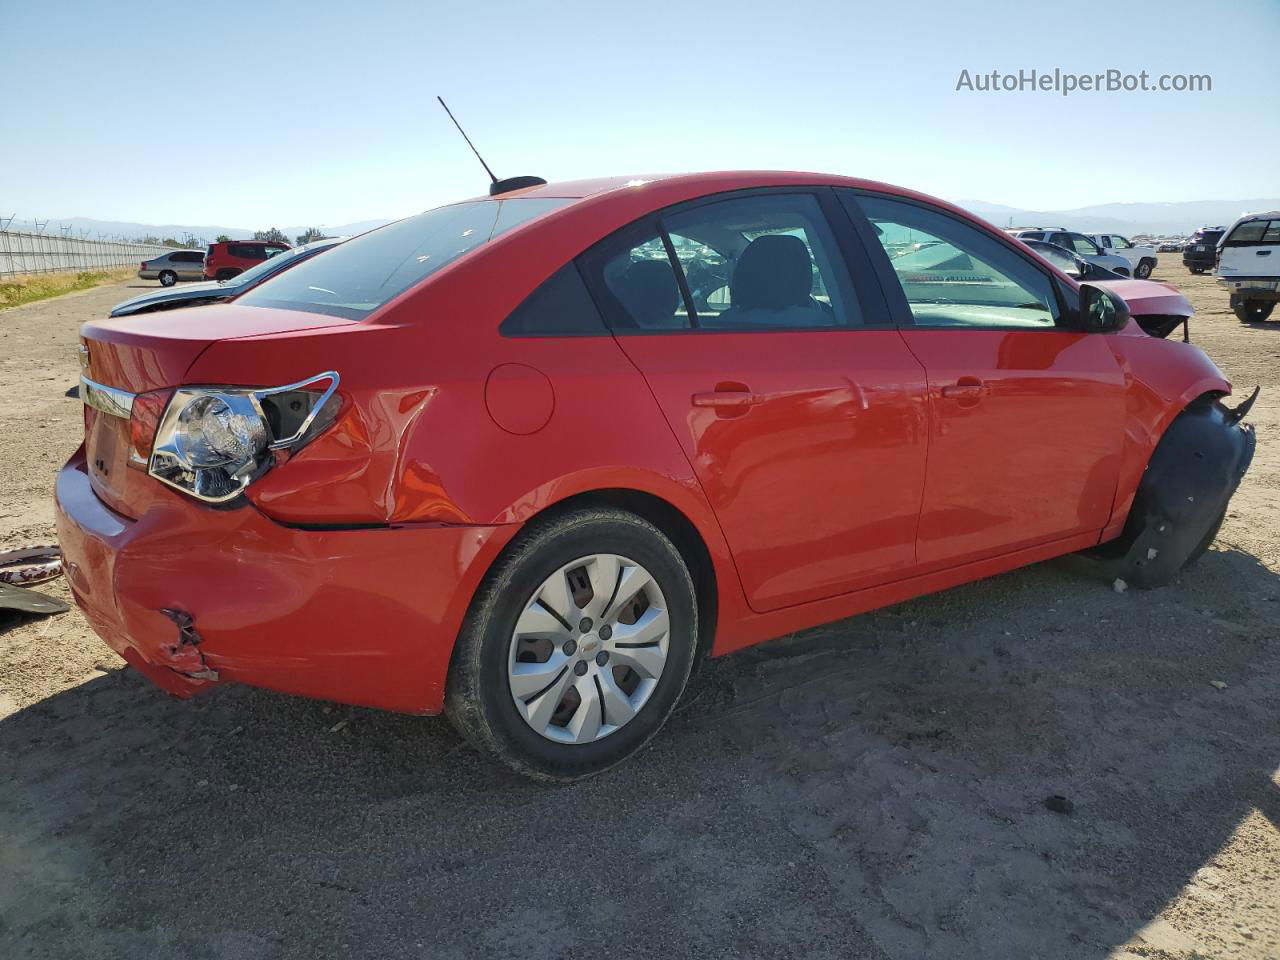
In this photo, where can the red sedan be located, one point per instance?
(526, 458)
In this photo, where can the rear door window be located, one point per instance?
(758, 262)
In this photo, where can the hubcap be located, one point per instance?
(588, 649)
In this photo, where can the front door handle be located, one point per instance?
(1264, 253)
(966, 389)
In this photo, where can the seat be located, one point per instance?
(772, 286)
(648, 290)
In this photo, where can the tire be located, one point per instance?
(1144, 269)
(1253, 311)
(496, 661)
(227, 273)
(168, 278)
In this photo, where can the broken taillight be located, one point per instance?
(143, 422)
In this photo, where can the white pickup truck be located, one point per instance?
(1142, 259)
(1249, 265)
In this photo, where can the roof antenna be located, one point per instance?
(497, 186)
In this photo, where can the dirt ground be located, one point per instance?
(873, 788)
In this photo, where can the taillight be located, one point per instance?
(142, 265)
(212, 442)
(144, 419)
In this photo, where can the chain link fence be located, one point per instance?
(23, 251)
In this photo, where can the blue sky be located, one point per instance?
(324, 112)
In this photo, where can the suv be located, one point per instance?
(1201, 252)
(225, 260)
(1249, 264)
(169, 268)
(1081, 246)
(1140, 257)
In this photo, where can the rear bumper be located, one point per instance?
(1241, 289)
(364, 616)
(148, 274)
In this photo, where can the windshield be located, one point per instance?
(362, 274)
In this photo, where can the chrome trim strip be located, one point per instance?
(109, 400)
(330, 375)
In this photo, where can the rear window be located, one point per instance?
(358, 277)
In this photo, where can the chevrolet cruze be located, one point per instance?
(526, 459)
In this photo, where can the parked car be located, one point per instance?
(1158, 308)
(1249, 265)
(525, 459)
(228, 259)
(1141, 257)
(173, 266)
(219, 291)
(1170, 246)
(1200, 254)
(1080, 245)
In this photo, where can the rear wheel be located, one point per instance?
(1253, 311)
(168, 278)
(577, 646)
(226, 273)
(1144, 269)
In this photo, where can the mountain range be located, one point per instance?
(1160, 219)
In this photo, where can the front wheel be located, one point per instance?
(577, 646)
(168, 278)
(1253, 311)
(1144, 269)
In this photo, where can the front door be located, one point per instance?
(1026, 416)
(801, 409)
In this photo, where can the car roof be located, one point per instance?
(622, 199)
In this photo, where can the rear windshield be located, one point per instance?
(356, 278)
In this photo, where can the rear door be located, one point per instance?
(798, 404)
(1026, 415)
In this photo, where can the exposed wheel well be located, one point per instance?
(683, 534)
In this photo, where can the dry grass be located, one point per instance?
(27, 288)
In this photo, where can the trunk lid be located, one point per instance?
(154, 351)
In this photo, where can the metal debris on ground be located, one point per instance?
(31, 564)
(1217, 684)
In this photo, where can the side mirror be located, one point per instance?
(1101, 311)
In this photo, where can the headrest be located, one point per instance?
(649, 291)
(775, 271)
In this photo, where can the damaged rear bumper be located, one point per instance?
(192, 597)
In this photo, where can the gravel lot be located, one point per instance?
(874, 788)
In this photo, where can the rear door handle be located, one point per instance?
(966, 388)
(725, 399)
(1264, 253)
